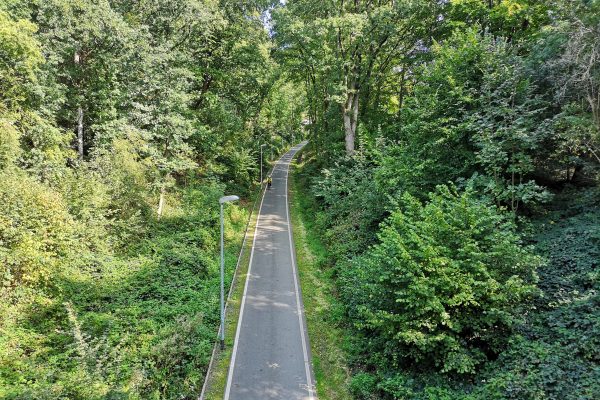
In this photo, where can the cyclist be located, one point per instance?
(269, 182)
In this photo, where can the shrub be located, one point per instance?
(445, 284)
(363, 386)
(35, 230)
(352, 206)
(536, 369)
(9, 143)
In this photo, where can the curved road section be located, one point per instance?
(271, 355)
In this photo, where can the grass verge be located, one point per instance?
(322, 310)
(218, 375)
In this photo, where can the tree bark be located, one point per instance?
(161, 201)
(77, 59)
(80, 132)
(595, 106)
(206, 82)
(350, 113)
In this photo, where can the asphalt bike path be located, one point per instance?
(271, 354)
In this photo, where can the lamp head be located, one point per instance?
(226, 199)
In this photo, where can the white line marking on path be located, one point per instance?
(248, 275)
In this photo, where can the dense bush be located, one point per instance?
(138, 324)
(500, 98)
(36, 231)
(445, 285)
(121, 125)
(352, 206)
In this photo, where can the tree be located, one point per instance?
(433, 134)
(576, 71)
(342, 46)
(87, 45)
(444, 285)
(20, 60)
(36, 232)
(511, 20)
(509, 129)
(29, 137)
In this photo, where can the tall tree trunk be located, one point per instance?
(350, 113)
(325, 120)
(401, 94)
(161, 201)
(206, 82)
(80, 132)
(595, 106)
(77, 60)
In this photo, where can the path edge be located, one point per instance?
(234, 281)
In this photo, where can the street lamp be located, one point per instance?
(261, 164)
(223, 200)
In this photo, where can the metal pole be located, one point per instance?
(261, 163)
(222, 286)
(223, 200)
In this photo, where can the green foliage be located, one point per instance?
(489, 122)
(36, 230)
(552, 351)
(101, 296)
(343, 52)
(9, 144)
(533, 369)
(445, 285)
(514, 19)
(104, 297)
(500, 99)
(363, 386)
(556, 354)
(352, 205)
(434, 140)
(509, 132)
(242, 169)
(569, 234)
(135, 325)
(20, 58)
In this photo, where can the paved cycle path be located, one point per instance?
(271, 355)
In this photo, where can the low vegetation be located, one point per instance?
(81, 321)
(323, 310)
(447, 206)
(121, 125)
(444, 285)
(454, 167)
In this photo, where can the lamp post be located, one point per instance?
(223, 200)
(261, 163)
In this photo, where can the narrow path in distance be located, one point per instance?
(271, 355)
